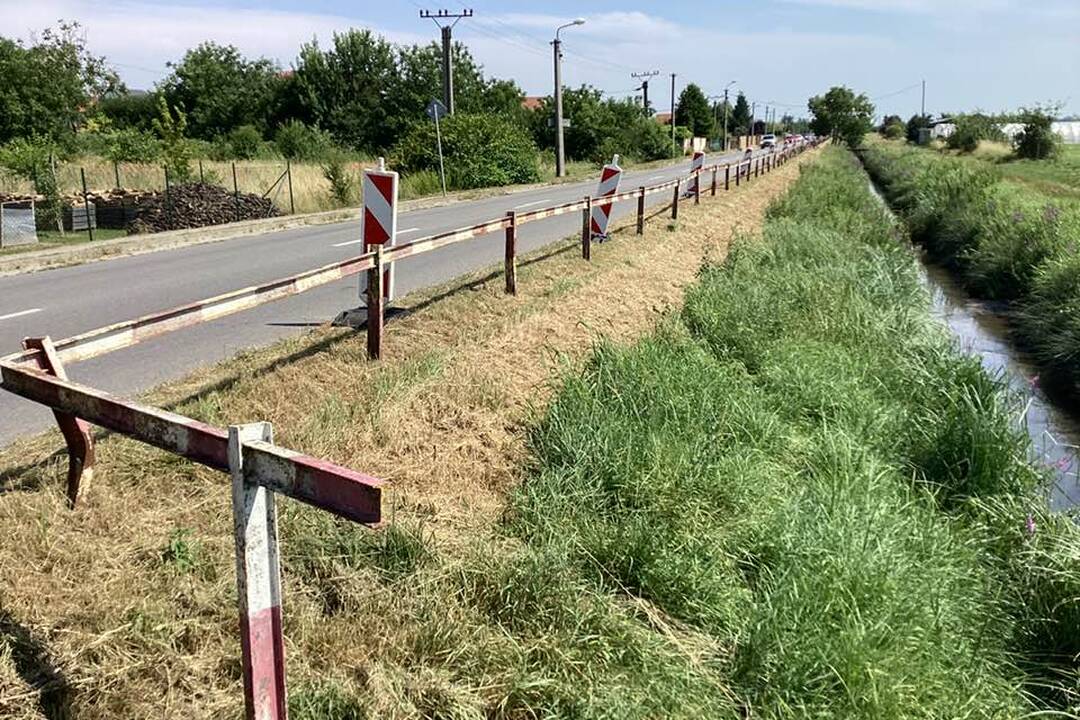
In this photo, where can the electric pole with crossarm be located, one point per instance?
(439, 17)
(644, 77)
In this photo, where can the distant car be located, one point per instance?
(768, 141)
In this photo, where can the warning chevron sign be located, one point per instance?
(378, 223)
(609, 185)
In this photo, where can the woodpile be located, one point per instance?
(193, 205)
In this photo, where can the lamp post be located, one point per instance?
(560, 153)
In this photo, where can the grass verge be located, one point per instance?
(1005, 242)
(802, 475)
(126, 608)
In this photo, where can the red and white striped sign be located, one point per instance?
(696, 164)
(609, 185)
(379, 217)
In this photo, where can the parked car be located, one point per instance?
(768, 141)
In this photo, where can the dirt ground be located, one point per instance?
(126, 606)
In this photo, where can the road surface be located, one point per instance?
(72, 300)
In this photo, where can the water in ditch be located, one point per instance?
(982, 331)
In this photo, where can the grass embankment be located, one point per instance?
(800, 478)
(126, 607)
(1004, 241)
(1059, 177)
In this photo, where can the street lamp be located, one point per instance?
(560, 153)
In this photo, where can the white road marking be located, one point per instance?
(657, 177)
(31, 311)
(528, 204)
(357, 242)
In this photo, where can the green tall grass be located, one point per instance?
(801, 468)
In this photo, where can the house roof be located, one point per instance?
(532, 102)
(664, 118)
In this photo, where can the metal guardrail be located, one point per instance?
(258, 468)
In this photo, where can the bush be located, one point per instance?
(34, 159)
(914, 124)
(176, 149)
(971, 129)
(297, 141)
(894, 130)
(342, 181)
(1037, 141)
(131, 145)
(480, 151)
(245, 142)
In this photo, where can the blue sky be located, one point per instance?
(988, 54)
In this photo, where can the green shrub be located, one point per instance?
(479, 150)
(245, 142)
(971, 129)
(297, 141)
(34, 159)
(176, 150)
(1037, 140)
(343, 183)
(132, 145)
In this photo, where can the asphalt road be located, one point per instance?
(68, 301)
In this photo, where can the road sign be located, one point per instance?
(379, 218)
(609, 185)
(696, 164)
(436, 110)
(565, 122)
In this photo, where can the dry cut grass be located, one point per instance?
(126, 607)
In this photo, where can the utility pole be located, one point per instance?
(726, 108)
(922, 112)
(673, 109)
(560, 146)
(750, 130)
(447, 50)
(644, 77)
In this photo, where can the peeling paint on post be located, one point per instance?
(510, 256)
(586, 229)
(375, 307)
(258, 581)
(76, 432)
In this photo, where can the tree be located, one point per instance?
(50, 84)
(971, 128)
(892, 127)
(170, 125)
(344, 90)
(842, 114)
(220, 89)
(740, 116)
(1037, 141)
(914, 124)
(693, 112)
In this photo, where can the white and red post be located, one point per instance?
(696, 164)
(258, 581)
(378, 229)
(601, 211)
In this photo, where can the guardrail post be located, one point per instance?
(727, 177)
(375, 307)
(641, 211)
(714, 171)
(586, 230)
(738, 174)
(697, 188)
(510, 257)
(757, 167)
(258, 582)
(76, 432)
(675, 201)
